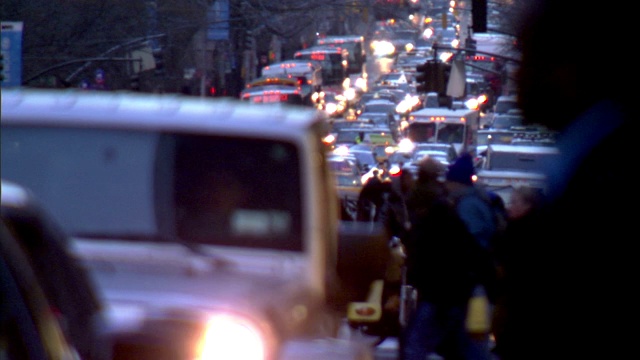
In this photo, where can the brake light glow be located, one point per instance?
(481, 58)
(270, 97)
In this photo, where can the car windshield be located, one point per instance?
(503, 106)
(438, 155)
(505, 121)
(379, 108)
(436, 132)
(347, 180)
(204, 187)
(494, 137)
(364, 157)
(375, 118)
(400, 157)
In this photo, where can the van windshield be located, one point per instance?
(150, 185)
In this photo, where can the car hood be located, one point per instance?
(140, 280)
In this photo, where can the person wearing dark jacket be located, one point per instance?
(444, 264)
(523, 214)
(371, 198)
(574, 295)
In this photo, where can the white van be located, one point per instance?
(197, 216)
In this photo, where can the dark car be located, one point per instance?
(29, 329)
(70, 293)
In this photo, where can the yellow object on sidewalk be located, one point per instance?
(478, 313)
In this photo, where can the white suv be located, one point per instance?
(210, 225)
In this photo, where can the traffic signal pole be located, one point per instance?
(66, 63)
(119, 46)
(472, 50)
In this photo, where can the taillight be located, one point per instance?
(395, 171)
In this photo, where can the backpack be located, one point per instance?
(494, 203)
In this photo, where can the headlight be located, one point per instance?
(234, 337)
(341, 151)
(406, 145)
(331, 108)
(350, 94)
(329, 139)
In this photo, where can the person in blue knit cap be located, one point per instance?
(462, 170)
(474, 206)
(472, 203)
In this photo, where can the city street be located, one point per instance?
(388, 350)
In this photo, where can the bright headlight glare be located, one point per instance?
(350, 94)
(406, 145)
(232, 337)
(329, 139)
(341, 151)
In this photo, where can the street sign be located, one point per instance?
(11, 53)
(457, 79)
(218, 19)
(145, 58)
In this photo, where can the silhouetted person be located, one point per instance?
(444, 263)
(370, 198)
(574, 294)
(523, 214)
(475, 207)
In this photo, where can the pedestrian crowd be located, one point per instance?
(448, 226)
(555, 268)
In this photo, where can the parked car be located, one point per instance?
(44, 286)
(209, 225)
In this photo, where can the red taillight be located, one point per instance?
(394, 172)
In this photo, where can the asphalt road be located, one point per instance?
(388, 350)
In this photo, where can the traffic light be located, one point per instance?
(424, 77)
(443, 70)
(158, 57)
(135, 82)
(479, 16)
(470, 45)
(248, 40)
(1, 66)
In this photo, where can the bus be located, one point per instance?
(307, 73)
(275, 89)
(282, 94)
(444, 125)
(332, 59)
(354, 45)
